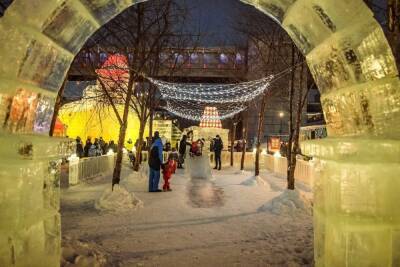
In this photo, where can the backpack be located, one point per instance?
(92, 151)
(154, 160)
(194, 148)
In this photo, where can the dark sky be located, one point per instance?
(215, 20)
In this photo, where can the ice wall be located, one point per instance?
(29, 199)
(356, 221)
(38, 41)
(348, 56)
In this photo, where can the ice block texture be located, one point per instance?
(364, 109)
(349, 58)
(29, 199)
(356, 218)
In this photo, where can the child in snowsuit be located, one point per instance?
(168, 169)
(174, 156)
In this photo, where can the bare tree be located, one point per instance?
(245, 123)
(297, 99)
(57, 107)
(274, 53)
(136, 39)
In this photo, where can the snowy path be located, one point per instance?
(199, 223)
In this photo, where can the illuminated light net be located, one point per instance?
(189, 101)
(194, 111)
(213, 93)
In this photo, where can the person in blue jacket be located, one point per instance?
(155, 163)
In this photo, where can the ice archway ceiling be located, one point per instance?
(344, 45)
(350, 60)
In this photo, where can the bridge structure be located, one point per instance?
(201, 64)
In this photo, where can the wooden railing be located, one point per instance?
(87, 168)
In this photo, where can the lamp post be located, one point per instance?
(281, 115)
(233, 136)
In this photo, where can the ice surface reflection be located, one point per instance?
(203, 193)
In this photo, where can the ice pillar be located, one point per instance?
(38, 41)
(355, 218)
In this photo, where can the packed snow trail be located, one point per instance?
(202, 222)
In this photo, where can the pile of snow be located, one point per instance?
(242, 172)
(144, 171)
(288, 203)
(135, 180)
(78, 254)
(255, 181)
(118, 199)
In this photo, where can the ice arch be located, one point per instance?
(357, 222)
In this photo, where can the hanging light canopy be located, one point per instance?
(190, 100)
(213, 93)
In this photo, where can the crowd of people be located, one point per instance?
(176, 159)
(176, 155)
(196, 149)
(92, 149)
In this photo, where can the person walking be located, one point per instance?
(182, 151)
(79, 147)
(155, 162)
(87, 147)
(218, 146)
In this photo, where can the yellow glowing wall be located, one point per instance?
(89, 123)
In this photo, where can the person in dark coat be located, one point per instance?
(167, 146)
(112, 146)
(87, 147)
(218, 146)
(155, 163)
(79, 147)
(182, 151)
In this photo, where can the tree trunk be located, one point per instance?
(140, 144)
(296, 134)
(122, 133)
(290, 168)
(260, 133)
(57, 107)
(233, 136)
(150, 128)
(244, 142)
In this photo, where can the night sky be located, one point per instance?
(215, 20)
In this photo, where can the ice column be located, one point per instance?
(38, 41)
(356, 190)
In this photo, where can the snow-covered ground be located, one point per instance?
(234, 219)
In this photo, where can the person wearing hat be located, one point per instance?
(218, 146)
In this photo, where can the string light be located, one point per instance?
(196, 115)
(194, 111)
(190, 100)
(213, 93)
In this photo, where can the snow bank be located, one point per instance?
(144, 171)
(118, 200)
(244, 172)
(77, 254)
(288, 203)
(255, 181)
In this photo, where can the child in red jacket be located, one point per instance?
(168, 170)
